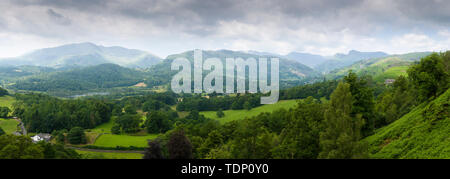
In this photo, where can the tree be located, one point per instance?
(300, 138)
(115, 129)
(130, 109)
(154, 150)
(129, 123)
(179, 146)
(76, 136)
(430, 77)
(60, 138)
(157, 122)
(4, 112)
(3, 92)
(247, 105)
(342, 132)
(19, 147)
(220, 113)
(362, 101)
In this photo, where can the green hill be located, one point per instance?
(95, 77)
(422, 133)
(292, 73)
(380, 68)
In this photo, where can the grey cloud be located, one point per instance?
(200, 17)
(58, 18)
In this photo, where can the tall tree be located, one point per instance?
(431, 76)
(76, 136)
(154, 150)
(179, 146)
(362, 101)
(342, 132)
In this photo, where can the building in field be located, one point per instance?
(41, 137)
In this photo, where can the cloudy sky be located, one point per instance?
(163, 27)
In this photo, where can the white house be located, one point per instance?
(41, 137)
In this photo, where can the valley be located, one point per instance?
(112, 109)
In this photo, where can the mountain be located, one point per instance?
(291, 73)
(340, 60)
(310, 60)
(83, 54)
(380, 68)
(81, 79)
(422, 133)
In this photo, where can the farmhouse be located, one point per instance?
(41, 137)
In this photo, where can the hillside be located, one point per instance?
(341, 60)
(291, 73)
(83, 54)
(422, 133)
(310, 60)
(94, 77)
(380, 68)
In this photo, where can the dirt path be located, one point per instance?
(24, 131)
(105, 151)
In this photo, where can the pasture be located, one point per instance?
(231, 115)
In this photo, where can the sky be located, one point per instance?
(164, 27)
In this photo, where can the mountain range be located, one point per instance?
(83, 54)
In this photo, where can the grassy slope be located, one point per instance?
(7, 101)
(241, 114)
(107, 155)
(414, 135)
(8, 125)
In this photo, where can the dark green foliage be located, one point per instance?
(157, 122)
(94, 77)
(130, 109)
(179, 146)
(362, 101)
(431, 76)
(128, 123)
(2, 132)
(341, 136)
(3, 92)
(60, 138)
(19, 147)
(300, 138)
(316, 90)
(4, 112)
(219, 102)
(115, 129)
(76, 135)
(42, 113)
(220, 113)
(154, 150)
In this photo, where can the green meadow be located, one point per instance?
(109, 155)
(231, 115)
(7, 101)
(111, 140)
(8, 125)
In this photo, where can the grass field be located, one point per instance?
(8, 125)
(7, 101)
(231, 115)
(104, 128)
(108, 155)
(392, 73)
(111, 140)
